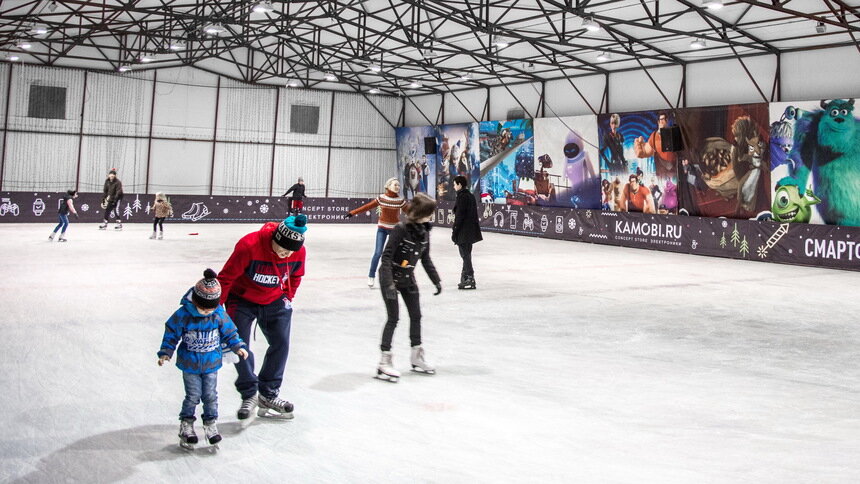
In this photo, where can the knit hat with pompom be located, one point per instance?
(207, 291)
(290, 233)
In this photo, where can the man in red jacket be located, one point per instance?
(259, 282)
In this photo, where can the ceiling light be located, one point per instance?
(264, 6)
(713, 4)
(415, 84)
(374, 91)
(214, 29)
(466, 77)
(330, 77)
(52, 6)
(145, 58)
(375, 68)
(821, 28)
(429, 53)
(123, 68)
(698, 43)
(292, 84)
(23, 44)
(528, 66)
(38, 30)
(12, 57)
(604, 56)
(590, 25)
(500, 42)
(177, 45)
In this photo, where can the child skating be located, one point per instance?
(67, 205)
(408, 243)
(162, 209)
(196, 332)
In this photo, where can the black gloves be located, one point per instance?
(389, 292)
(438, 288)
(348, 215)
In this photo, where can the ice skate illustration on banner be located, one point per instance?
(196, 212)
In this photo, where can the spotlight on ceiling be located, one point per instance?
(414, 84)
(500, 41)
(330, 77)
(12, 57)
(23, 44)
(528, 66)
(292, 83)
(38, 30)
(52, 6)
(604, 56)
(590, 25)
(466, 77)
(264, 6)
(429, 53)
(214, 29)
(713, 4)
(144, 58)
(376, 68)
(820, 28)
(123, 68)
(698, 43)
(374, 91)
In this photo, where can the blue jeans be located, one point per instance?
(199, 387)
(64, 224)
(381, 237)
(274, 320)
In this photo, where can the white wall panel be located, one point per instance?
(24, 76)
(422, 110)
(184, 111)
(246, 113)
(118, 104)
(242, 169)
(502, 101)
(726, 82)
(633, 90)
(821, 74)
(357, 123)
(179, 166)
(304, 97)
(101, 153)
(455, 112)
(360, 173)
(40, 162)
(563, 100)
(292, 162)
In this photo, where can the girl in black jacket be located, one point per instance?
(409, 241)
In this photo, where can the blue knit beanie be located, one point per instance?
(291, 232)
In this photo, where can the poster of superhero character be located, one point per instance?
(815, 162)
(564, 173)
(457, 155)
(507, 155)
(637, 174)
(724, 168)
(415, 168)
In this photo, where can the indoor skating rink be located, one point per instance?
(571, 362)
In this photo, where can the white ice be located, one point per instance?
(571, 362)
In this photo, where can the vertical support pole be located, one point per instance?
(274, 140)
(6, 123)
(214, 137)
(488, 104)
(443, 108)
(330, 134)
(542, 99)
(151, 122)
(81, 133)
(777, 81)
(606, 92)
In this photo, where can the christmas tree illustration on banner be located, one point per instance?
(136, 206)
(127, 211)
(736, 236)
(745, 248)
(723, 241)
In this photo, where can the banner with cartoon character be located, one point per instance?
(815, 162)
(637, 175)
(457, 155)
(416, 169)
(724, 170)
(507, 156)
(564, 173)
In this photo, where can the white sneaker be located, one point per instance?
(386, 371)
(418, 363)
(370, 281)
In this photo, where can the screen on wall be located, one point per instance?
(304, 119)
(47, 102)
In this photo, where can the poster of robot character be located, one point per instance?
(457, 154)
(637, 175)
(416, 169)
(507, 155)
(565, 171)
(724, 167)
(815, 162)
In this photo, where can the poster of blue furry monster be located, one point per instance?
(415, 168)
(565, 171)
(457, 155)
(507, 155)
(815, 162)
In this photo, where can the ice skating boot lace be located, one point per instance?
(277, 404)
(186, 431)
(212, 434)
(248, 406)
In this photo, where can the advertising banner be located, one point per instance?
(415, 167)
(507, 155)
(458, 155)
(565, 171)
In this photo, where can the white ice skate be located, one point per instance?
(103, 226)
(370, 282)
(418, 363)
(161, 235)
(212, 435)
(386, 371)
(187, 436)
(274, 408)
(152, 237)
(118, 226)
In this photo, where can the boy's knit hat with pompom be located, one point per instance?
(290, 233)
(207, 292)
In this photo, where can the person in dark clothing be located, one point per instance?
(408, 243)
(466, 230)
(296, 201)
(67, 205)
(112, 200)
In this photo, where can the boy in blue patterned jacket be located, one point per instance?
(200, 327)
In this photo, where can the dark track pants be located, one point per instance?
(392, 307)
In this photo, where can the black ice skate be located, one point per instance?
(419, 365)
(187, 436)
(103, 226)
(248, 406)
(118, 226)
(274, 408)
(386, 371)
(468, 283)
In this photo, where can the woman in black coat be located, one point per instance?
(466, 230)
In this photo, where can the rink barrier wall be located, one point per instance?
(41, 207)
(814, 245)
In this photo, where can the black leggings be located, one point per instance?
(158, 221)
(410, 297)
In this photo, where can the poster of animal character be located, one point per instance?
(637, 174)
(564, 173)
(457, 155)
(815, 162)
(415, 168)
(506, 149)
(724, 169)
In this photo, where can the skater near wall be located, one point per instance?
(296, 201)
(162, 209)
(389, 205)
(466, 230)
(66, 205)
(259, 282)
(409, 242)
(112, 199)
(195, 332)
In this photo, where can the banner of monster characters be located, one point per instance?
(416, 168)
(42, 207)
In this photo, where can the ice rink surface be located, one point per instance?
(571, 362)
